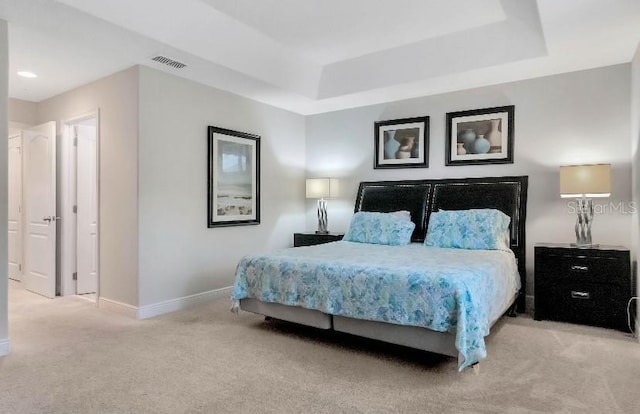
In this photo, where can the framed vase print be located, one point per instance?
(480, 136)
(402, 143)
(233, 178)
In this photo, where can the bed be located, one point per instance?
(436, 299)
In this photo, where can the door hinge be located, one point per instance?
(19, 209)
(20, 268)
(75, 142)
(75, 209)
(75, 276)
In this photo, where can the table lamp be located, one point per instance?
(322, 188)
(585, 182)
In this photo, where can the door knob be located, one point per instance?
(47, 219)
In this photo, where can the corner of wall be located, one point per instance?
(116, 97)
(22, 112)
(635, 171)
(4, 274)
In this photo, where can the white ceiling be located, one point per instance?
(312, 56)
(329, 31)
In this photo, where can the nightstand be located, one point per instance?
(311, 238)
(590, 286)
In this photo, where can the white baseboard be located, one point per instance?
(118, 307)
(5, 347)
(184, 302)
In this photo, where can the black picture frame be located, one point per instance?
(402, 143)
(233, 181)
(480, 136)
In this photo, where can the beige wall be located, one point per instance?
(21, 114)
(153, 168)
(575, 118)
(179, 255)
(155, 245)
(4, 278)
(116, 97)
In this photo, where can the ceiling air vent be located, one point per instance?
(169, 62)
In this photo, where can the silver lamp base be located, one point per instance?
(322, 217)
(583, 223)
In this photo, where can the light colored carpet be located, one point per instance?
(70, 357)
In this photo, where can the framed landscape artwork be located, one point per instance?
(402, 143)
(234, 178)
(480, 136)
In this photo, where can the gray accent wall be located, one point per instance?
(574, 118)
(179, 255)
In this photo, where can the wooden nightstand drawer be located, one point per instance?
(590, 286)
(604, 269)
(585, 303)
(310, 239)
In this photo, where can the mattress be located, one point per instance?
(447, 290)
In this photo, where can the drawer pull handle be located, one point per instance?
(580, 295)
(580, 268)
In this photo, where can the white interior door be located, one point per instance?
(39, 179)
(15, 207)
(87, 210)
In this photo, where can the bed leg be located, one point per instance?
(512, 311)
(476, 368)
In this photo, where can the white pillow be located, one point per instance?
(402, 214)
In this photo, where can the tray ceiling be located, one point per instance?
(314, 56)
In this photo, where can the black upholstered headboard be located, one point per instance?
(421, 197)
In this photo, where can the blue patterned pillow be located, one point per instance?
(480, 229)
(379, 228)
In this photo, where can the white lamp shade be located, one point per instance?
(585, 181)
(322, 187)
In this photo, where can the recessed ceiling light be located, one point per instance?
(26, 74)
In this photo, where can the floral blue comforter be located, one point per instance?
(447, 290)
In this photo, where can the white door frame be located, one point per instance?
(68, 200)
(20, 227)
